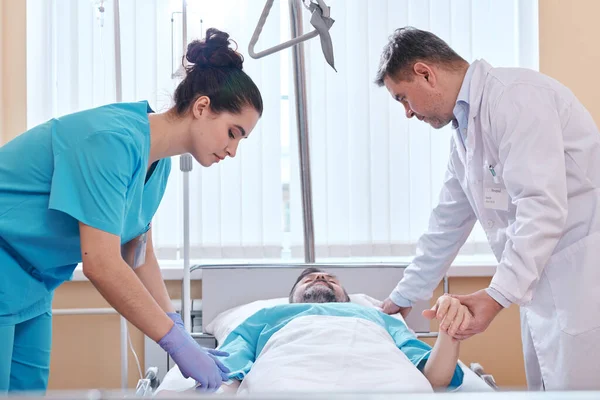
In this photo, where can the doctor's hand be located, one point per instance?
(452, 315)
(389, 307)
(484, 310)
(194, 361)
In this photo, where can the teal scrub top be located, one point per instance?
(90, 166)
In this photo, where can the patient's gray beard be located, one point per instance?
(319, 294)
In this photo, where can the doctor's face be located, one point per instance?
(319, 287)
(421, 98)
(216, 136)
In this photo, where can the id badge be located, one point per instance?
(134, 251)
(495, 198)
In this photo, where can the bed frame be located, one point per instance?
(224, 287)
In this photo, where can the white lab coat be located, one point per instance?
(545, 150)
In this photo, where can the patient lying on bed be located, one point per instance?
(323, 342)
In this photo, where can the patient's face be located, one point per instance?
(319, 287)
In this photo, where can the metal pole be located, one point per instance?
(186, 166)
(303, 137)
(184, 27)
(119, 98)
(118, 81)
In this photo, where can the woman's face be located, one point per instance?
(216, 136)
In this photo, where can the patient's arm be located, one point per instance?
(441, 364)
(232, 388)
(442, 361)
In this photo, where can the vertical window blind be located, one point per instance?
(375, 174)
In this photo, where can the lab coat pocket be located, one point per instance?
(574, 276)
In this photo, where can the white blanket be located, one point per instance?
(325, 353)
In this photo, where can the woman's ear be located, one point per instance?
(201, 106)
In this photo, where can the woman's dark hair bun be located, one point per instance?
(215, 71)
(214, 51)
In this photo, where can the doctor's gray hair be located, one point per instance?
(408, 46)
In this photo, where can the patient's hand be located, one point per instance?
(451, 314)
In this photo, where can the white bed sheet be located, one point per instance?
(174, 381)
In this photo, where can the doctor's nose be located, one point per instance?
(409, 113)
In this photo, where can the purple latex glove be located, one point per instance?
(176, 318)
(194, 361)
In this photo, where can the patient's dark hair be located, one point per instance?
(215, 71)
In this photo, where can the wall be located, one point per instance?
(13, 83)
(569, 51)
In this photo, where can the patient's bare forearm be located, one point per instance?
(440, 367)
(232, 388)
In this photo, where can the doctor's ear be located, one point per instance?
(423, 70)
(201, 105)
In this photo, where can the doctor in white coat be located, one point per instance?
(525, 163)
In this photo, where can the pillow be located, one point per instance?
(228, 320)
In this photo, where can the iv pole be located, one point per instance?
(303, 133)
(185, 165)
(119, 98)
(322, 21)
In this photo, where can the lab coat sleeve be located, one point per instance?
(450, 224)
(526, 126)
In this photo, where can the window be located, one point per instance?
(375, 174)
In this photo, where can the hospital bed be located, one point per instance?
(231, 293)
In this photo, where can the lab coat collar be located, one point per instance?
(480, 69)
(461, 107)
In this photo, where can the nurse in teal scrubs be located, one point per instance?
(79, 187)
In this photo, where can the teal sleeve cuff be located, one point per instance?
(457, 378)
